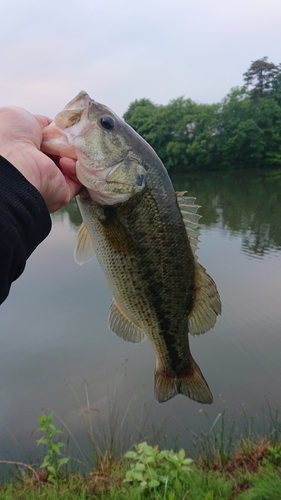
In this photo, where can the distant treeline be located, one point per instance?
(242, 131)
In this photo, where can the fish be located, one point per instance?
(145, 237)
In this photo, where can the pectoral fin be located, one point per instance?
(116, 235)
(207, 303)
(83, 250)
(122, 326)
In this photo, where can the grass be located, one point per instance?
(104, 427)
(252, 472)
(266, 485)
(229, 462)
(199, 484)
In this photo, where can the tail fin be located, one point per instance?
(190, 382)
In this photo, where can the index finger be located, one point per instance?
(68, 166)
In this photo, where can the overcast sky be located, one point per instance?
(122, 50)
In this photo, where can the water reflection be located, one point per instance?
(73, 213)
(248, 203)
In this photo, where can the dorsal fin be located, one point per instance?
(122, 326)
(207, 303)
(190, 218)
(83, 249)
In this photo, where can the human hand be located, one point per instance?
(20, 142)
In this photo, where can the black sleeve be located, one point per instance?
(24, 223)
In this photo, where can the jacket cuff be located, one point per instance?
(23, 207)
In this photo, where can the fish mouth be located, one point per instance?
(58, 135)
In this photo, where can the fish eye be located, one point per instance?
(107, 122)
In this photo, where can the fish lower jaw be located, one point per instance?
(107, 198)
(101, 191)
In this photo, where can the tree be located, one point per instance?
(171, 129)
(243, 131)
(261, 76)
(138, 113)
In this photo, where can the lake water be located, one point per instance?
(54, 334)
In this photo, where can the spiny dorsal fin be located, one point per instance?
(83, 249)
(122, 326)
(190, 218)
(207, 303)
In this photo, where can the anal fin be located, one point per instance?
(122, 326)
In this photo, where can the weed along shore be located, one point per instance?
(224, 468)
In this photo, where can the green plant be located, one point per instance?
(274, 456)
(151, 468)
(266, 485)
(51, 460)
(209, 495)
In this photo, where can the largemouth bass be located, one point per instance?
(144, 236)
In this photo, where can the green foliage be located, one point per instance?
(265, 486)
(243, 131)
(261, 76)
(274, 456)
(250, 134)
(51, 460)
(151, 468)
